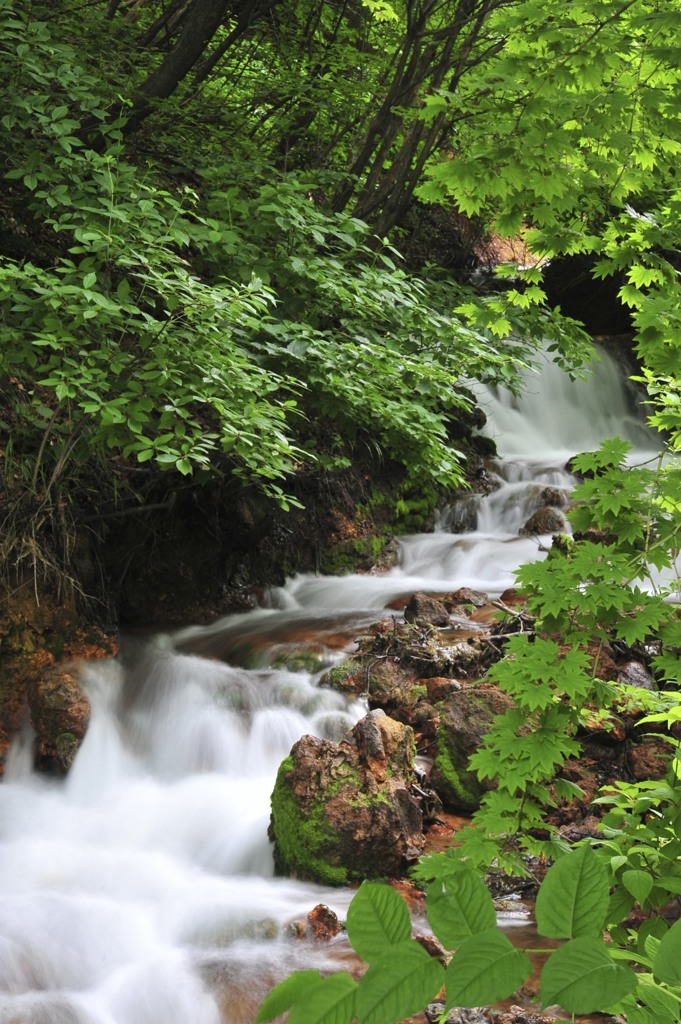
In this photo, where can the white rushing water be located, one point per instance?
(140, 890)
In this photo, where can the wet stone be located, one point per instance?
(523, 1015)
(459, 1015)
(423, 610)
(554, 497)
(323, 922)
(464, 595)
(545, 520)
(633, 673)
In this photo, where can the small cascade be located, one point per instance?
(140, 890)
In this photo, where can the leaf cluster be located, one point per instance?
(583, 974)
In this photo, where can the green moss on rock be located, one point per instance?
(302, 840)
(450, 777)
(350, 555)
(466, 716)
(342, 812)
(347, 677)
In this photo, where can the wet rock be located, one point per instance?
(60, 713)
(296, 930)
(545, 520)
(649, 759)
(392, 687)
(554, 497)
(468, 658)
(463, 517)
(523, 1015)
(439, 688)
(459, 1015)
(323, 922)
(486, 614)
(299, 657)
(466, 717)
(413, 896)
(348, 677)
(432, 947)
(464, 595)
(423, 610)
(633, 673)
(342, 812)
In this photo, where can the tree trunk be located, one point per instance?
(200, 25)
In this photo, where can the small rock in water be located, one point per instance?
(60, 713)
(555, 497)
(296, 930)
(545, 520)
(324, 922)
(433, 947)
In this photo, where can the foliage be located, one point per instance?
(583, 974)
(178, 324)
(584, 595)
(575, 141)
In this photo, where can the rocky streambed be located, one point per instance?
(172, 815)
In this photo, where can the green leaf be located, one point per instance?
(398, 984)
(663, 1003)
(377, 917)
(573, 898)
(484, 969)
(459, 906)
(667, 962)
(332, 1001)
(582, 977)
(286, 993)
(619, 906)
(638, 883)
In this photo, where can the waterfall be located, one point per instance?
(140, 890)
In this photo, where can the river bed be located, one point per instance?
(140, 889)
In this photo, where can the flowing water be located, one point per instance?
(140, 890)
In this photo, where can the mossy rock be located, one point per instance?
(299, 659)
(349, 556)
(347, 677)
(466, 716)
(302, 840)
(342, 812)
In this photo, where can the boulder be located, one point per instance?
(633, 673)
(347, 677)
(342, 812)
(555, 497)
(650, 758)
(545, 520)
(323, 922)
(423, 610)
(60, 713)
(464, 595)
(466, 716)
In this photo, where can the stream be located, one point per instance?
(140, 889)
